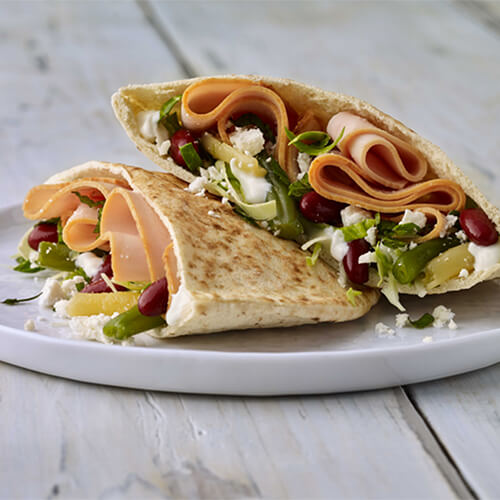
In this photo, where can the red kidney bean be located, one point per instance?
(104, 268)
(318, 209)
(356, 272)
(478, 227)
(42, 232)
(154, 299)
(100, 286)
(179, 139)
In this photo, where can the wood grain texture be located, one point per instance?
(60, 63)
(75, 440)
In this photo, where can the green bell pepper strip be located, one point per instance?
(411, 263)
(56, 256)
(130, 323)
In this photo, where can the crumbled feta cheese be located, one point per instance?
(412, 245)
(427, 340)
(367, 258)
(164, 147)
(414, 217)
(200, 193)
(402, 320)
(463, 273)
(452, 325)
(383, 330)
(51, 293)
(254, 188)
(352, 215)
(461, 235)
(303, 162)
(213, 214)
(248, 140)
(225, 201)
(449, 223)
(90, 327)
(442, 315)
(69, 286)
(420, 289)
(485, 257)
(60, 309)
(371, 236)
(29, 325)
(89, 262)
(197, 185)
(338, 247)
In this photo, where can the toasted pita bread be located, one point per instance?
(128, 101)
(233, 274)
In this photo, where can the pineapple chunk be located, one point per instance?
(448, 265)
(88, 304)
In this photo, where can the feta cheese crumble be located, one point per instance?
(461, 235)
(367, 258)
(449, 223)
(371, 236)
(485, 257)
(213, 214)
(89, 262)
(427, 340)
(402, 320)
(51, 293)
(338, 247)
(383, 330)
(90, 327)
(197, 185)
(249, 141)
(29, 325)
(414, 217)
(352, 215)
(303, 162)
(443, 316)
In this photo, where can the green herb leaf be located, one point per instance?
(422, 322)
(405, 230)
(26, 266)
(318, 141)
(251, 119)
(97, 228)
(385, 227)
(13, 302)
(351, 295)
(168, 106)
(300, 187)
(311, 259)
(88, 201)
(358, 230)
(191, 157)
(393, 243)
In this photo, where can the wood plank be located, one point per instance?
(75, 440)
(60, 63)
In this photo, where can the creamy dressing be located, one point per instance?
(180, 306)
(338, 246)
(485, 257)
(254, 188)
(152, 130)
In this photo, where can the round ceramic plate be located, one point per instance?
(302, 360)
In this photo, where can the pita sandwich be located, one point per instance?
(221, 273)
(358, 177)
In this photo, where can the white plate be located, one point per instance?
(302, 360)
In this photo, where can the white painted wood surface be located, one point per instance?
(434, 65)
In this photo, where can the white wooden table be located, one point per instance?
(434, 65)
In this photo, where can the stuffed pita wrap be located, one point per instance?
(116, 229)
(380, 203)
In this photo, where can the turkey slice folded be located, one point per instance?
(222, 273)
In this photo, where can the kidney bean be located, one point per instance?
(153, 300)
(478, 227)
(42, 232)
(318, 209)
(356, 272)
(179, 139)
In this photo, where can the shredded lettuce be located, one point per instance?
(358, 230)
(390, 290)
(311, 259)
(351, 295)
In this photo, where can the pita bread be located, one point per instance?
(234, 275)
(129, 100)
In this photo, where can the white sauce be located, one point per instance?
(180, 306)
(485, 257)
(89, 262)
(152, 131)
(254, 188)
(338, 247)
